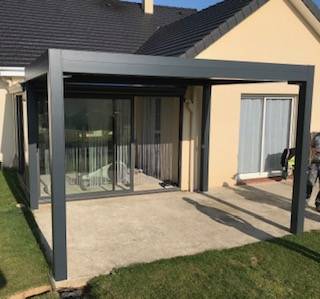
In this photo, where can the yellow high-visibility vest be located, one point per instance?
(291, 162)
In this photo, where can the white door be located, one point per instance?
(265, 130)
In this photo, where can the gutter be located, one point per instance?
(12, 71)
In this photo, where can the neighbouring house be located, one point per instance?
(159, 129)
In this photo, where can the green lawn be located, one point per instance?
(22, 265)
(282, 268)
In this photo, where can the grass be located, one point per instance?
(22, 265)
(281, 268)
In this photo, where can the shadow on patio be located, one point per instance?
(263, 196)
(245, 227)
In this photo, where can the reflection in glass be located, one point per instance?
(97, 134)
(277, 132)
(44, 159)
(122, 117)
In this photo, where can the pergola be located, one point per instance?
(56, 64)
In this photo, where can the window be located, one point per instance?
(266, 129)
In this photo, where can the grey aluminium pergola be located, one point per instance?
(56, 63)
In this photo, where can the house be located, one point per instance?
(173, 111)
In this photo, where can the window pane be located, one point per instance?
(44, 157)
(123, 144)
(250, 135)
(157, 123)
(98, 141)
(277, 130)
(89, 145)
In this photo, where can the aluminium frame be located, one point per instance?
(55, 62)
(130, 191)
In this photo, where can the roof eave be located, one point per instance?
(12, 71)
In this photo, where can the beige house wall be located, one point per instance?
(276, 33)
(7, 125)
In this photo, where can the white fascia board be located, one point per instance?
(12, 71)
(306, 13)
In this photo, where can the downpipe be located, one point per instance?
(190, 108)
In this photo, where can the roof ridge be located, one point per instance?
(197, 12)
(162, 6)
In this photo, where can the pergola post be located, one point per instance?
(57, 160)
(302, 156)
(205, 137)
(33, 153)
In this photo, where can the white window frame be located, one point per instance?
(291, 141)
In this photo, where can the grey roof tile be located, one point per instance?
(191, 35)
(29, 27)
(178, 38)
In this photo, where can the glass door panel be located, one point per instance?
(277, 132)
(157, 129)
(89, 145)
(44, 154)
(250, 135)
(122, 140)
(98, 145)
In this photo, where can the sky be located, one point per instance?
(199, 4)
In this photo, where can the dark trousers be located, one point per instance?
(313, 177)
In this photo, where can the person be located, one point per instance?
(314, 169)
(288, 162)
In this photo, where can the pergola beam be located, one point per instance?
(87, 62)
(175, 67)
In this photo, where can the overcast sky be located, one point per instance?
(192, 3)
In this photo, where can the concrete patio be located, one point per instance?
(108, 233)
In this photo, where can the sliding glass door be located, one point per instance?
(266, 129)
(99, 155)
(98, 145)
